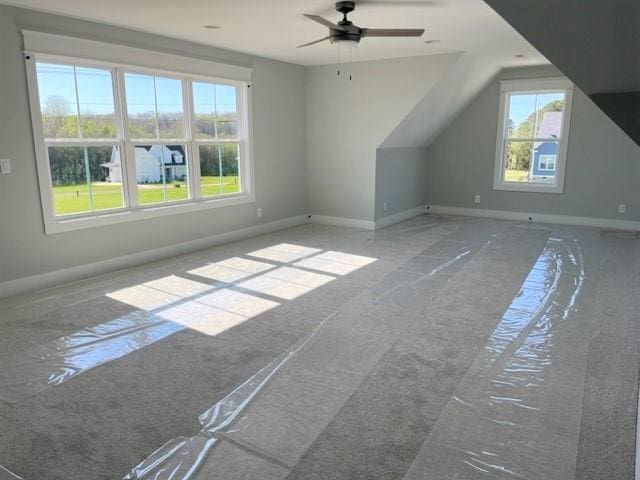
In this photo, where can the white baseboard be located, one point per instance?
(37, 282)
(343, 222)
(399, 217)
(607, 223)
(367, 224)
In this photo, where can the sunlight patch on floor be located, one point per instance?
(159, 293)
(286, 282)
(284, 252)
(231, 270)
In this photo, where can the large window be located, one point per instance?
(532, 135)
(118, 139)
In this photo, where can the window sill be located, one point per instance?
(113, 217)
(529, 187)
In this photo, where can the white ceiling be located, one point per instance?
(273, 28)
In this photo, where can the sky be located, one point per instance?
(96, 96)
(95, 92)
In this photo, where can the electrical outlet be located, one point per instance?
(5, 166)
(384, 207)
(622, 208)
(477, 199)
(259, 212)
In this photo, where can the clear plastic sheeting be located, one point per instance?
(7, 475)
(447, 349)
(516, 413)
(54, 363)
(168, 305)
(180, 458)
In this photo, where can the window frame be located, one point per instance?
(196, 143)
(532, 86)
(132, 210)
(48, 204)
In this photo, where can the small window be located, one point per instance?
(532, 135)
(547, 163)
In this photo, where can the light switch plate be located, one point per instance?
(5, 166)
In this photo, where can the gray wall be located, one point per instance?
(279, 144)
(603, 164)
(400, 174)
(347, 120)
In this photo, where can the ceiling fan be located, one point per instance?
(347, 31)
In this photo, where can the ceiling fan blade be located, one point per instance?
(314, 42)
(325, 22)
(392, 32)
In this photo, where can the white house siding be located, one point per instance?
(148, 164)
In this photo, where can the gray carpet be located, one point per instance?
(376, 393)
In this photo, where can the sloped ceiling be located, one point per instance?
(595, 43)
(444, 102)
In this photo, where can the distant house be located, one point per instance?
(545, 154)
(150, 164)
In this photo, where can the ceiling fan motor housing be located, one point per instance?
(350, 32)
(345, 31)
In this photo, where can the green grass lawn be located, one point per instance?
(210, 186)
(69, 199)
(75, 198)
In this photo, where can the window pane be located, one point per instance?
(226, 112)
(57, 91)
(549, 115)
(230, 175)
(215, 111)
(219, 173)
(162, 173)
(204, 109)
(96, 105)
(170, 111)
(522, 115)
(154, 106)
(529, 162)
(210, 171)
(141, 105)
(535, 115)
(518, 161)
(85, 179)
